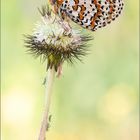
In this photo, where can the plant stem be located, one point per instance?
(48, 92)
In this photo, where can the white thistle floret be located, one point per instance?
(56, 32)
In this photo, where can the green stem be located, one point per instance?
(48, 94)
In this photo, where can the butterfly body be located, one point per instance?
(91, 14)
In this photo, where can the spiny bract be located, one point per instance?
(91, 14)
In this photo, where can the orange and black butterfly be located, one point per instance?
(91, 14)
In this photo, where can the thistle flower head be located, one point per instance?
(53, 39)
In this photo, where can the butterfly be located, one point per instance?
(90, 14)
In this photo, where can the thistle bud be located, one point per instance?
(55, 41)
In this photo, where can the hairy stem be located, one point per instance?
(48, 92)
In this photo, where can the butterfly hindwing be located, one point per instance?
(92, 14)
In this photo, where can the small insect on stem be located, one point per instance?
(44, 81)
(49, 121)
(50, 118)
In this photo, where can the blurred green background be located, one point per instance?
(94, 100)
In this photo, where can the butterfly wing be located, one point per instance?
(92, 14)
